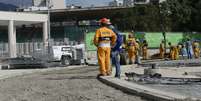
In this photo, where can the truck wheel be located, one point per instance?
(65, 60)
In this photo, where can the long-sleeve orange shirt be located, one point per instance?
(104, 35)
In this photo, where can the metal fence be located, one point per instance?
(32, 48)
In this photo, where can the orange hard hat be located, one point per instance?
(105, 21)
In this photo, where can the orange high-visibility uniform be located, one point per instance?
(196, 49)
(145, 51)
(176, 53)
(172, 52)
(137, 49)
(162, 50)
(103, 39)
(130, 44)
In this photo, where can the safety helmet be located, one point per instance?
(105, 21)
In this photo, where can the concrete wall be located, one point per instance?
(17, 16)
(56, 4)
(39, 3)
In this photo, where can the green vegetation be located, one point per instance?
(89, 41)
(169, 16)
(153, 38)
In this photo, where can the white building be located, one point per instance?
(14, 19)
(56, 4)
(130, 3)
(116, 3)
(39, 3)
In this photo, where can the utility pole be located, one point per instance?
(49, 6)
(162, 25)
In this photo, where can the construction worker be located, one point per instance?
(104, 39)
(176, 50)
(196, 49)
(116, 51)
(171, 48)
(183, 51)
(145, 50)
(130, 45)
(137, 50)
(162, 49)
(189, 49)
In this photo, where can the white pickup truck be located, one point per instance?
(68, 55)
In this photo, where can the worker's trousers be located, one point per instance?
(145, 54)
(162, 53)
(189, 53)
(131, 56)
(196, 52)
(104, 60)
(116, 62)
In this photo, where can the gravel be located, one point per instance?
(78, 84)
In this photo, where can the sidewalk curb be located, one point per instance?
(36, 71)
(142, 91)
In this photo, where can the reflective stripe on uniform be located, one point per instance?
(104, 38)
(102, 44)
(131, 44)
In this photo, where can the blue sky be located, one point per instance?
(84, 3)
(87, 3)
(17, 2)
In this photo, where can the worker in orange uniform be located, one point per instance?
(162, 49)
(145, 50)
(130, 45)
(196, 49)
(172, 52)
(137, 52)
(176, 52)
(104, 39)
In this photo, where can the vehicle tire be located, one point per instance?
(124, 60)
(65, 60)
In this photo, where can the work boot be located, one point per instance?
(109, 74)
(117, 76)
(102, 75)
(99, 75)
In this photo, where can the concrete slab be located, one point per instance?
(146, 91)
(165, 71)
(142, 91)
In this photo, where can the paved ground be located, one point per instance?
(188, 90)
(75, 84)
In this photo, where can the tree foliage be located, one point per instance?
(172, 15)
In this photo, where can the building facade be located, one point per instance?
(130, 3)
(116, 3)
(56, 4)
